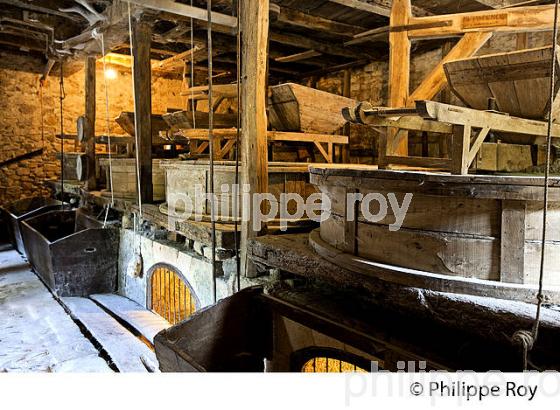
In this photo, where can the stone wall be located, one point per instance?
(20, 122)
(370, 83)
(192, 264)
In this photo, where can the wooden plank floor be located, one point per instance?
(146, 322)
(36, 334)
(126, 351)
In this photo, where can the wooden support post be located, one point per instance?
(89, 129)
(141, 40)
(460, 149)
(254, 27)
(512, 239)
(435, 81)
(399, 67)
(346, 92)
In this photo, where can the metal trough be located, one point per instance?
(234, 335)
(15, 212)
(71, 252)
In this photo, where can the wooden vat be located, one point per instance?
(294, 107)
(73, 255)
(15, 212)
(124, 178)
(467, 234)
(183, 177)
(184, 120)
(518, 80)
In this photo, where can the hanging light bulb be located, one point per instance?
(111, 74)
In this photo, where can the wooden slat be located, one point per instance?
(512, 254)
(298, 56)
(479, 140)
(125, 350)
(427, 162)
(147, 323)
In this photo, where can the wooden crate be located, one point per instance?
(503, 157)
(294, 107)
(124, 178)
(182, 177)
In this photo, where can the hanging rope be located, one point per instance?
(237, 139)
(137, 263)
(42, 125)
(62, 95)
(107, 128)
(193, 104)
(138, 182)
(211, 143)
(524, 338)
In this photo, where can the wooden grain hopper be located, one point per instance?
(126, 122)
(294, 107)
(519, 81)
(73, 254)
(186, 120)
(15, 212)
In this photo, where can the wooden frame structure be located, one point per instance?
(458, 122)
(476, 28)
(224, 140)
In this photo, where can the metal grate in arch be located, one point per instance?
(170, 296)
(330, 365)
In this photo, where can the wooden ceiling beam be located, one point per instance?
(513, 20)
(22, 43)
(295, 40)
(377, 34)
(379, 7)
(197, 54)
(376, 7)
(43, 10)
(299, 19)
(184, 10)
(333, 69)
(298, 57)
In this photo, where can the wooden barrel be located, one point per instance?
(484, 228)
